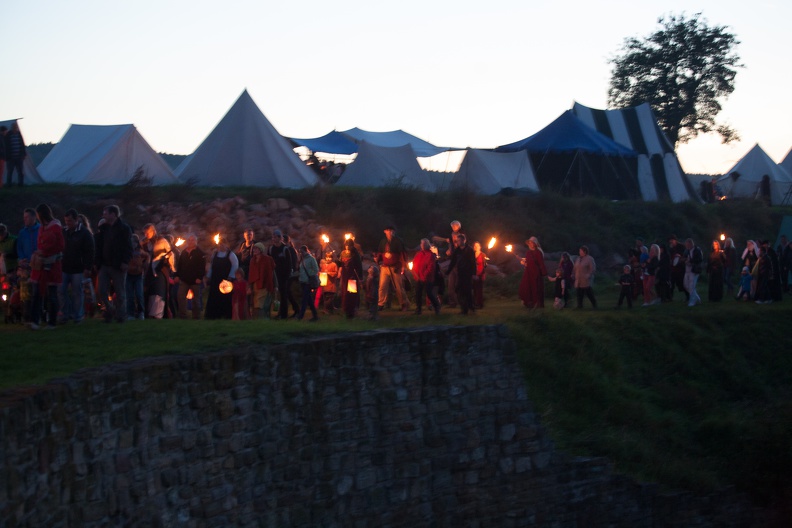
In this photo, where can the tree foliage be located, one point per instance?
(682, 70)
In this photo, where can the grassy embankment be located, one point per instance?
(690, 398)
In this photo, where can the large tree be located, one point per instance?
(682, 70)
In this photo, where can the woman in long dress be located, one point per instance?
(532, 283)
(715, 265)
(223, 266)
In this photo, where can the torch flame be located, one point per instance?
(179, 242)
(325, 239)
(347, 236)
(492, 242)
(216, 238)
(723, 237)
(509, 248)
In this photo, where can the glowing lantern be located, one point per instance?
(409, 265)
(509, 248)
(5, 297)
(322, 279)
(352, 286)
(180, 242)
(492, 242)
(189, 295)
(216, 238)
(226, 286)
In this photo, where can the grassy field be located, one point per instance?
(690, 398)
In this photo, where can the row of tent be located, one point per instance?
(617, 154)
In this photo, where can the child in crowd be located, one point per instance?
(744, 294)
(372, 292)
(239, 303)
(626, 282)
(25, 292)
(560, 289)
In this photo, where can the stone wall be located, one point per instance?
(426, 427)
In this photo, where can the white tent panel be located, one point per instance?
(744, 179)
(104, 154)
(487, 172)
(645, 179)
(377, 166)
(675, 179)
(244, 149)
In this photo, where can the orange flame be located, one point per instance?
(492, 243)
(347, 236)
(180, 241)
(723, 237)
(410, 265)
(509, 248)
(325, 239)
(216, 238)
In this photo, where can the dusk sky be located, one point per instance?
(454, 73)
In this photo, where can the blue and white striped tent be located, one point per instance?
(660, 176)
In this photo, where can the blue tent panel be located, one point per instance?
(569, 134)
(395, 138)
(333, 143)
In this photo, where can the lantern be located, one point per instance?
(190, 295)
(352, 286)
(322, 279)
(410, 265)
(226, 286)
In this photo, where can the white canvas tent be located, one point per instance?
(31, 174)
(377, 166)
(244, 149)
(786, 164)
(744, 180)
(104, 155)
(660, 176)
(488, 172)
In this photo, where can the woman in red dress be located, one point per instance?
(532, 283)
(46, 273)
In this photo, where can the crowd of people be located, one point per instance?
(758, 273)
(54, 273)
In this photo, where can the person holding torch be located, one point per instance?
(392, 257)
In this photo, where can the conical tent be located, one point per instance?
(381, 166)
(659, 173)
(32, 175)
(104, 155)
(786, 164)
(744, 180)
(244, 149)
(488, 172)
(573, 159)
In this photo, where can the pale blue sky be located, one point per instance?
(458, 73)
